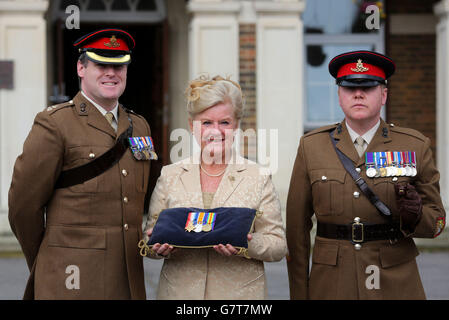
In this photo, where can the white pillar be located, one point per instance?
(22, 40)
(280, 57)
(214, 38)
(442, 82)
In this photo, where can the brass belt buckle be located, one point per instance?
(357, 231)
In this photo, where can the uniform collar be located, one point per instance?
(346, 145)
(367, 136)
(100, 108)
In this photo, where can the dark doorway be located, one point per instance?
(146, 80)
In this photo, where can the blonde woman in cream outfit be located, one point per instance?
(217, 178)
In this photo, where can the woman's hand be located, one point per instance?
(164, 249)
(228, 250)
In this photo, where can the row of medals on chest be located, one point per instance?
(385, 164)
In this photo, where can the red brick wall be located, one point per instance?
(412, 100)
(412, 89)
(247, 60)
(410, 6)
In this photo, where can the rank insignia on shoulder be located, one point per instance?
(142, 148)
(60, 105)
(441, 223)
(200, 221)
(390, 164)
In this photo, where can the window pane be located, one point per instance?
(120, 5)
(147, 5)
(96, 5)
(337, 17)
(66, 3)
(321, 90)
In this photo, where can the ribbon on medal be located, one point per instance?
(142, 148)
(200, 221)
(390, 163)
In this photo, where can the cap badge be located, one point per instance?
(360, 67)
(112, 43)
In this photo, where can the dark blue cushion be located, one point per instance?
(231, 225)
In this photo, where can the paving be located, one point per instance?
(433, 267)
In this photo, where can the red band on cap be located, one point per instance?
(111, 43)
(349, 68)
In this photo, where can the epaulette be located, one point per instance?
(408, 131)
(322, 129)
(59, 106)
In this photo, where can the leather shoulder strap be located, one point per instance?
(363, 186)
(96, 167)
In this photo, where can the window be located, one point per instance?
(330, 28)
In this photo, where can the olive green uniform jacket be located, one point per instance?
(88, 231)
(320, 185)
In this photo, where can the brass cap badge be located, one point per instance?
(360, 67)
(112, 43)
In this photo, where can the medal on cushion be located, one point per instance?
(200, 221)
(191, 221)
(210, 222)
(142, 148)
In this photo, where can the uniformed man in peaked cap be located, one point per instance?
(372, 186)
(77, 192)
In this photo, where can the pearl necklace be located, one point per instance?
(212, 175)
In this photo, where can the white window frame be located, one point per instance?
(376, 39)
(133, 15)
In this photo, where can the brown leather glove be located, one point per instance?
(410, 206)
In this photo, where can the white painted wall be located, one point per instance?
(23, 40)
(214, 38)
(280, 84)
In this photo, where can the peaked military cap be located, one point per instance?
(107, 46)
(361, 69)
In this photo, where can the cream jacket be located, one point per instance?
(203, 273)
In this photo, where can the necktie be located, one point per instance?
(359, 145)
(110, 117)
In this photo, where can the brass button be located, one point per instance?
(124, 172)
(91, 155)
(356, 194)
(395, 179)
(125, 200)
(357, 246)
(324, 178)
(126, 226)
(358, 170)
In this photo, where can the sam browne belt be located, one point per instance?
(94, 168)
(358, 232)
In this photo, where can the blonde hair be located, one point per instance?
(203, 93)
